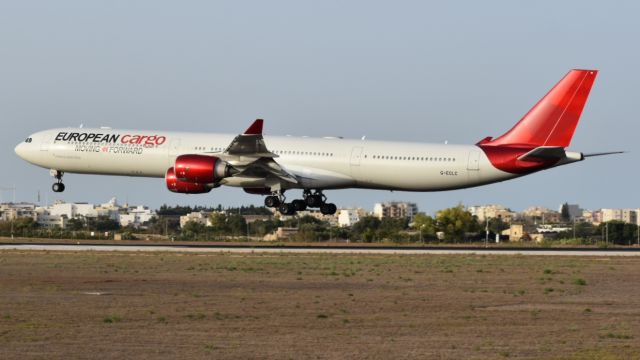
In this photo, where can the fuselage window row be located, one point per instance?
(412, 158)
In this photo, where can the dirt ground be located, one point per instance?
(141, 305)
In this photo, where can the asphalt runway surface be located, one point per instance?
(324, 250)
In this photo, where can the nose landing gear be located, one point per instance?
(58, 186)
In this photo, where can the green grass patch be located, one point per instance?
(112, 319)
(580, 282)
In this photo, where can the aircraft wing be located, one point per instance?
(250, 143)
(249, 155)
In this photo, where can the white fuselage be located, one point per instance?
(319, 163)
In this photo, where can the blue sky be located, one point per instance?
(404, 70)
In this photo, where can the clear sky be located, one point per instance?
(391, 70)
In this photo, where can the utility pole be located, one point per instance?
(574, 228)
(486, 237)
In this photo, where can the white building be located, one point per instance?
(395, 209)
(136, 216)
(484, 212)
(630, 216)
(47, 220)
(199, 217)
(610, 215)
(348, 217)
(626, 215)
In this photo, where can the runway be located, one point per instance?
(322, 250)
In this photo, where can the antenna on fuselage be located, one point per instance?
(81, 126)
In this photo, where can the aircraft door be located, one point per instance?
(356, 156)
(473, 166)
(474, 160)
(45, 142)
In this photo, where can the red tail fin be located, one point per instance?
(552, 121)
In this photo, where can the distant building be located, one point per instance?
(630, 216)
(541, 215)
(625, 215)
(348, 217)
(485, 212)
(395, 209)
(200, 217)
(521, 232)
(47, 220)
(588, 216)
(515, 232)
(59, 213)
(11, 211)
(73, 210)
(136, 216)
(574, 210)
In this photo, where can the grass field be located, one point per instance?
(122, 305)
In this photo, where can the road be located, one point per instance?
(322, 250)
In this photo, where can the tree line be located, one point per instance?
(449, 225)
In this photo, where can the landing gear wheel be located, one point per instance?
(57, 187)
(328, 209)
(314, 201)
(287, 209)
(299, 205)
(272, 201)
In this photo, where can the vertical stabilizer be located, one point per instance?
(553, 120)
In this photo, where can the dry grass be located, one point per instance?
(117, 305)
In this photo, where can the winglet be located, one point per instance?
(255, 128)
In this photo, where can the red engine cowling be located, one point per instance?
(183, 187)
(201, 169)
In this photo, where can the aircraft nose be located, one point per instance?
(21, 150)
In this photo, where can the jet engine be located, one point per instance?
(177, 186)
(201, 169)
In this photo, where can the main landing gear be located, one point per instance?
(309, 200)
(58, 186)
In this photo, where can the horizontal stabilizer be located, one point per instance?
(544, 153)
(604, 153)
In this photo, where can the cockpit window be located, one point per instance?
(28, 140)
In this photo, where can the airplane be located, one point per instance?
(195, 163)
